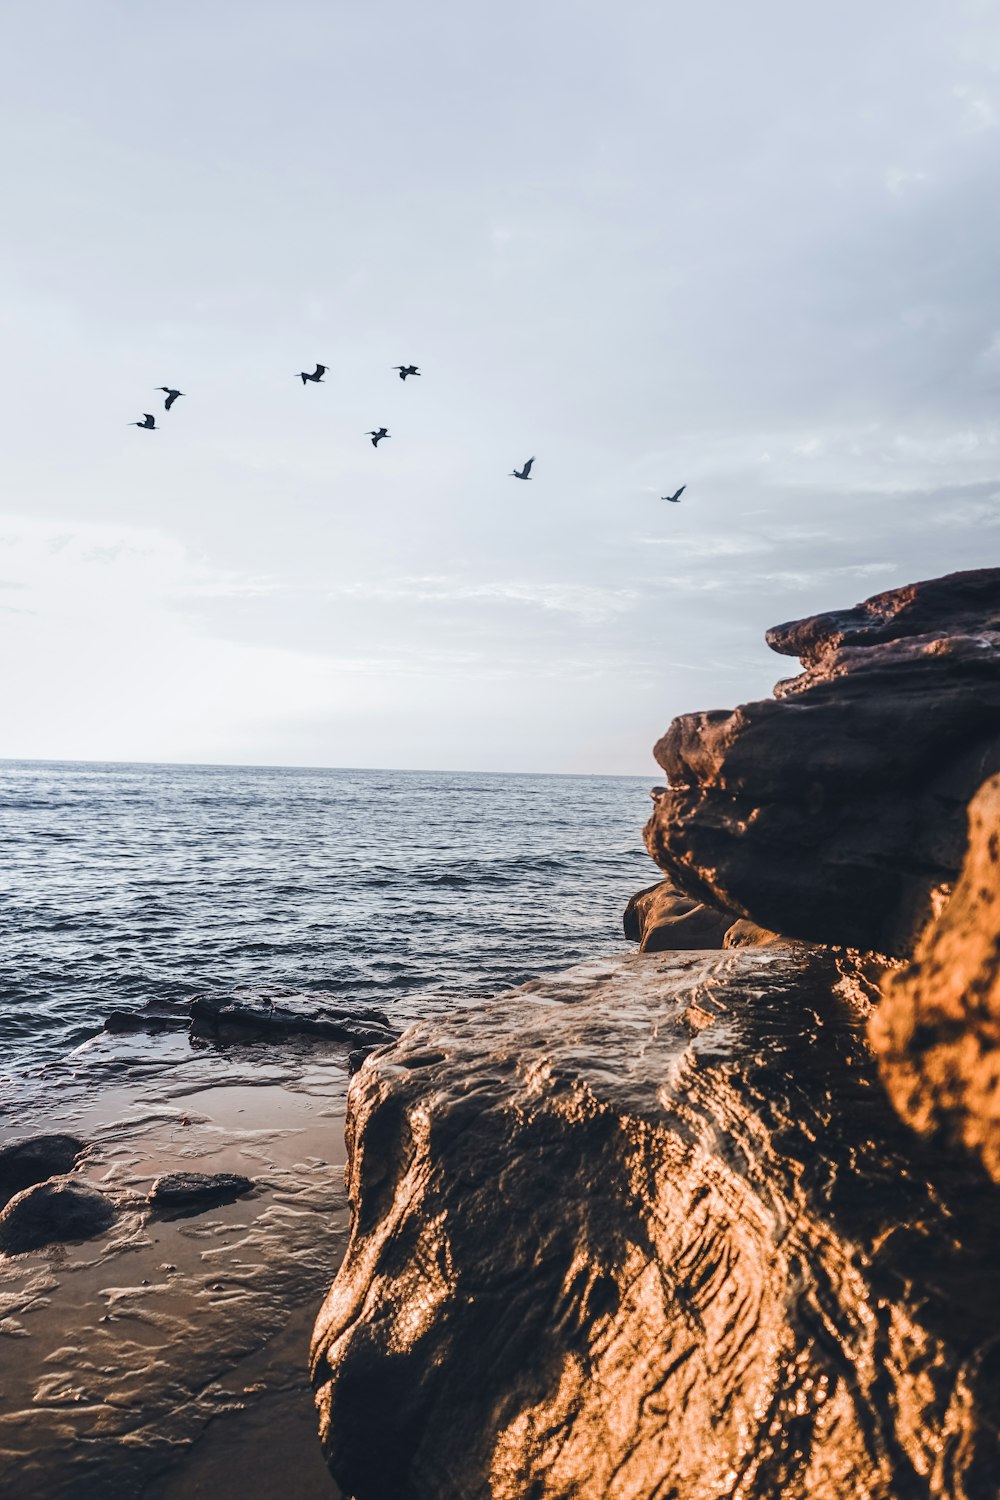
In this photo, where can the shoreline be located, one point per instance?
(135, 1364)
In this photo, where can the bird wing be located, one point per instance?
(149, 417)
(320, 370)
(679, 492)
(527, 467)
(170, 400)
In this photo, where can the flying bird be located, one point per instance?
(149, 424)
(524, 473)
(171, 396)
(317, 374)
(675, 498)
(377, 437)
(405, 370)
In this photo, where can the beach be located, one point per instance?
(168, 1357)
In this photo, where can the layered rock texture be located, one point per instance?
(937, 1031)
(652, 1229)
(836, 811)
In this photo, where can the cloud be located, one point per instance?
(585, 601)
(899, 181)
(979, 110)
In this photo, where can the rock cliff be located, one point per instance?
(835, 811)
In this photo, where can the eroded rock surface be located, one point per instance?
(651, 1229)
(835, 811)
(937, 1030)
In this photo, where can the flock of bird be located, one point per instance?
(148, 424)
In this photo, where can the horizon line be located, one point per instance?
(209, 765)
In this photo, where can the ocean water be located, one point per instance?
(121, 884)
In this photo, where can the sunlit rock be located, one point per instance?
(937, 1030)
(662, 918)
(651, 1228)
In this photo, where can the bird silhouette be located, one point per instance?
(524, 473)
(149, 424)
(317, 374)
(171, 396)
(405, 370)
(675, 498)
(377, 437)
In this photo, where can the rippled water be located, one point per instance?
(126, 883)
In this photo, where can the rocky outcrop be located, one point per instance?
(937, 1030)
(60, 1209)
(835, 811)
(651, 1229)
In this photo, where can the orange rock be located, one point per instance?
(937, 1031)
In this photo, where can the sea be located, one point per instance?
(413, 890)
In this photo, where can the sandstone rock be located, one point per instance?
(199, 1190)
(293, 1015)
(23, 1163)
(835, 812)
(60, 1209)
(666, 1240)
(661, 919)
(937, 1030)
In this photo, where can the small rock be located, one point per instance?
(49, 1212)
(198, 1190)
(23, 1163)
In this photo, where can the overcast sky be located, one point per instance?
(749, 248)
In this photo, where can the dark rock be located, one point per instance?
(937, 1030)
(668, 1240)
(662, 919)
(835, 812)
(198, 1190)
(61, 1209)
(120, 1021)
(23, 1163)
(293, 1015)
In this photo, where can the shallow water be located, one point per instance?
(160, 1351)
(126, 883)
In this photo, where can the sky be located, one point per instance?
(749, 249)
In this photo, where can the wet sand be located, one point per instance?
(168, 1357)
